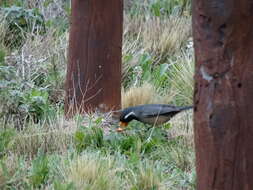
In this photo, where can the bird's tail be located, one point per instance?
(185, 108)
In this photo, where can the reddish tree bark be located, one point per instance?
(223, 119)
(94, 69)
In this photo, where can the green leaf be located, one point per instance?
(156, 9)
(2, 56)
(163, 68)
(99, 120)
(47, 3)
(40, 170)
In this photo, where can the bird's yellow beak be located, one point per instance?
(123, 124)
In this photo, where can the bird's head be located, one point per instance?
(126, 116)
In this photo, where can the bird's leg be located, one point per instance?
(153, 128)
(151, 133)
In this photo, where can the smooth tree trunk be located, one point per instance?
(223, 98)
(94, 68)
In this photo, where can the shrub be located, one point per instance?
(19, 22)
(39, 171)
(90, 136)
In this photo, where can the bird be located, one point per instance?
(152, 114)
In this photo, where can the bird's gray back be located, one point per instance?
(151, 110)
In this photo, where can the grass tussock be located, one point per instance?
(7, 169)
(165, 37)
(56, 137)
(183, 127)
(92, 172)
(181, 75)
(144, 94)
(161, 37)
(148, 178)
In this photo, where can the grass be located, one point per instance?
(40, 149)
(165, 37)
(91, 171)
(138, 95)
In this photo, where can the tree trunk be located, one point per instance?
(223, 119)
(94, 68)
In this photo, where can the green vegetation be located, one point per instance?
(20, 21)
(39, 149)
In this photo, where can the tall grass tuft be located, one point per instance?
(144, 94)
(148, 176)
(165, 37)
(92, 172)
(181, 77)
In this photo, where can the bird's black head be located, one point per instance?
(126, 116)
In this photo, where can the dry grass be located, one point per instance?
(182, 126)
(38, 54)
(105, 121)
(3, 30)
(93, 172)
(13, 172)
(144, 94)
(161, 37)
(56, 137)
(148, 178)
(165, 37)
(7, 169)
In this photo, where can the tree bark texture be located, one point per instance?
(94, 68)
(223, 97)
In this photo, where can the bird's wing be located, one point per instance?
(157, 110)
